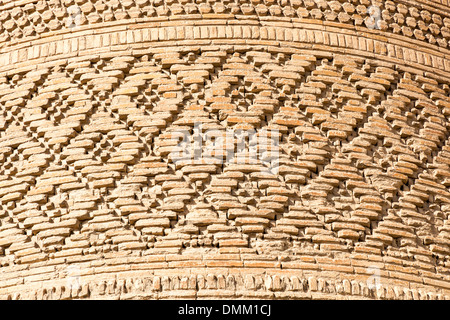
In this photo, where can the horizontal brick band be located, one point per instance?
(139, 38)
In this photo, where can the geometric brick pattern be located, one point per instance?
(421, 20)
(87, 180)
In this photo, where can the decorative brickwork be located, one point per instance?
(93, 203)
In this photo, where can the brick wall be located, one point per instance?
(93, 203)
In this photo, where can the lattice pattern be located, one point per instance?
(88, 177)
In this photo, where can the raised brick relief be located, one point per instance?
(95, 203)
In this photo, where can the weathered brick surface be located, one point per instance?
(93, 206)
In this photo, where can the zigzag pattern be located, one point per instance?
(86, 145)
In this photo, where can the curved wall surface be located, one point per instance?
(114, 182)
